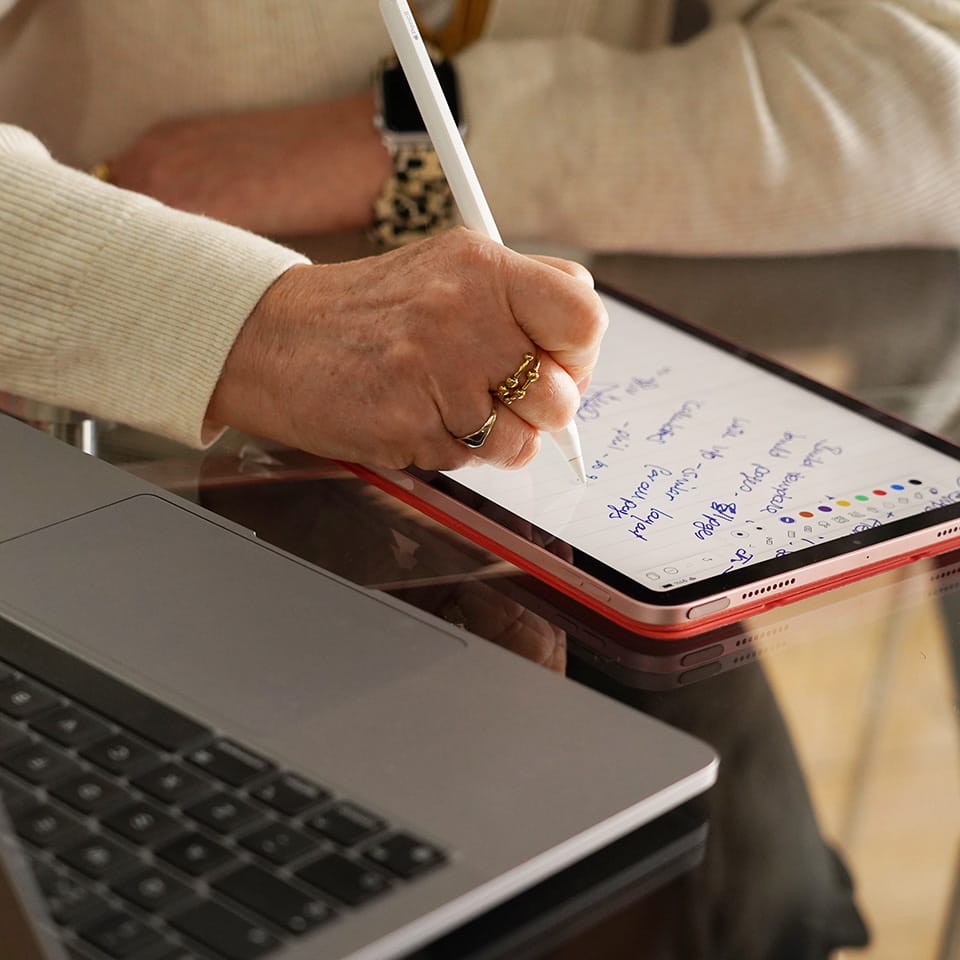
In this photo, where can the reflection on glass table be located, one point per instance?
(834, 828)
(835, 718)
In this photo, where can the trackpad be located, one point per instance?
(210, 617)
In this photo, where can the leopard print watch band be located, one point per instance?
(415, 202)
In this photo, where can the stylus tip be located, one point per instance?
(579, 469)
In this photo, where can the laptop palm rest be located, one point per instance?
(339, 681)
(147, 587)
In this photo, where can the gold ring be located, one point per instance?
(102, 171)
(478, 437)
(515, 387)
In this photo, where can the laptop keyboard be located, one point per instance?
(153, 838)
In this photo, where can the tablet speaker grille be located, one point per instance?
(937, 589)
(949, 531)
(753, 639)
(768, 589)
(768, 648)
(947, 572)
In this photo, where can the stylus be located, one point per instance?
(454, 159)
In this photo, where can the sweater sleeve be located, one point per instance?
(810, 125)
(114, 304)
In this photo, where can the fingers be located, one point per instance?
(555, 305)
(538, 394)
(570, 267)
(550, 402)
(511, 442)
(565, 350)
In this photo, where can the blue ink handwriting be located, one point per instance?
(780, 449)
(709, 522)
(736, 428)
(621, 438)
(595, 399)
(712, 453)
(739, 558)
(644, 523)
(749, 479)
(675, 422)
(781, 493)
(815, 457)
(684, 483)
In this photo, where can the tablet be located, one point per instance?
(719, 483)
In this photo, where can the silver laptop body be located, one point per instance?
(506, 770)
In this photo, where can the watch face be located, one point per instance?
(400, 112)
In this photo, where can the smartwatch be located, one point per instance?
(415, 202)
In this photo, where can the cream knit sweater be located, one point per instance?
(786, 126)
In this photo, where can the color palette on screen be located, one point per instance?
(854, 501)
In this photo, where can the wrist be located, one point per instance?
(246, 394)
(366, 163)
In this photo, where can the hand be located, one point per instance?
(482, 609)
(302, 170)
(385, 361)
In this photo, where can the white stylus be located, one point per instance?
(457, 168)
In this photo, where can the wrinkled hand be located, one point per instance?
(301, 170)
(386, 360)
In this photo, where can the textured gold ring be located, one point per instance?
(516, 386)
(102, 171)
(478, 437)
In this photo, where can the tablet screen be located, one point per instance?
(704, 461)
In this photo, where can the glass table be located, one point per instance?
(834, 827)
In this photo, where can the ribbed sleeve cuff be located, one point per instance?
(115, 304)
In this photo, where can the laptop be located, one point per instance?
(212, 749)
(545, 917)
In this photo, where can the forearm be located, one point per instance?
(113, 303)
(812, 127)
(296, 171)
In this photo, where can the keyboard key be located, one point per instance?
(279, 843)
(346, 823)
(195, 855)
(90, 793)
(153, 890)
(5, 673)
(224, 813)
(348, 881)
(71, 727)
(121, 755)
(40, 764)
(405, 855)
(102, 693)
(24, 698)
(274, 899)
(14, 795)
(144, 824)
(173, 784)
(99, 858)
(46, 825)
(225, 931)
(120, 936)
(176, 953)
(290, 795)
(11, 737)
(230, 763)
(69, 901)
